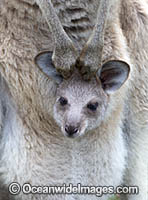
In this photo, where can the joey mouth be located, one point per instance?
(72, 136)
(74, 130)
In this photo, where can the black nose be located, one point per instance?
(71, 130)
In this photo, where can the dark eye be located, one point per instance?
(63, 101)
(92, 106)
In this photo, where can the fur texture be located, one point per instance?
(32, 147)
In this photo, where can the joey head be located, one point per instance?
(80, 105)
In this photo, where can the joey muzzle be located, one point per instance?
(71, 131)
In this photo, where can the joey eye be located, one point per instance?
(63, 101)
(92, 106)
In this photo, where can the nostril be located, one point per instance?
(75, 130)
(66, 129)
(71, 130)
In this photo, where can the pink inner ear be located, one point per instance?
(113, 75)
(44, 62)
(110, 74)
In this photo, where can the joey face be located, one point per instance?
(80, 106)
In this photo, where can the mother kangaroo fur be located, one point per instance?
(32, 147)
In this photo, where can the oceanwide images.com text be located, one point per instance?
(16, 188)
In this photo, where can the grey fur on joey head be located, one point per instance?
(81, 105)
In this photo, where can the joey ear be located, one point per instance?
(113, 74)
(44, 62)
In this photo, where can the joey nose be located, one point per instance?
(71, 130)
